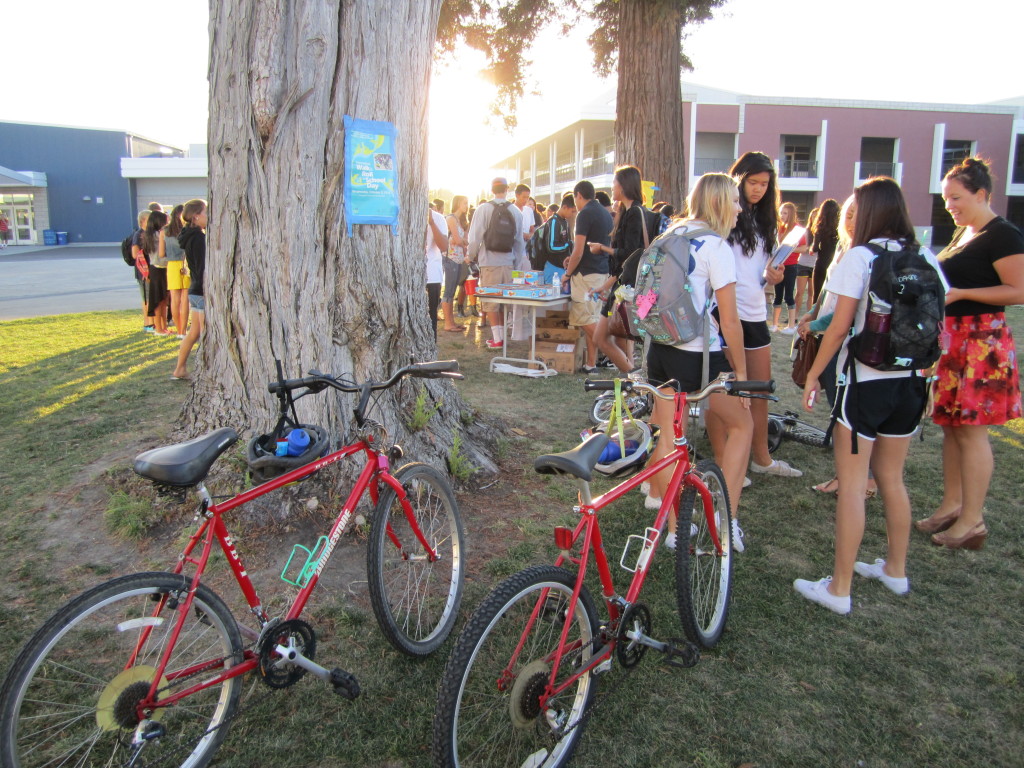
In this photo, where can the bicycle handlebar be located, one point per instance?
(722, 384)
(316, 381)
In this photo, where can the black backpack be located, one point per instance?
(502, 229)
(550, 243)
(126, 250)
(906, 282)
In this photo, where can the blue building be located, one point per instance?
(69, 180)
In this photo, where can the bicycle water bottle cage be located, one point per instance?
(187, 463)
(579, 462)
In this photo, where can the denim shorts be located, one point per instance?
(197, 303)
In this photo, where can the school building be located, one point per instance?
(61, 184)
(822, 148)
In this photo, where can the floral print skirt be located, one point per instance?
(977, 380)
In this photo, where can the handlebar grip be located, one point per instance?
(589, 385)
(434, 369)
(289, 384)
(751, 386)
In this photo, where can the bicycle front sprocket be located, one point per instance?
(277, 648)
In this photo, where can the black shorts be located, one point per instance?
(665, 363)
(802, 271)
(756, 334)
(890, 407)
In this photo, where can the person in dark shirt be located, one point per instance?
(585, 270)
(977, 384)
(192, 239)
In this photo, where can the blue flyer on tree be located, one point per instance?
(371, 175)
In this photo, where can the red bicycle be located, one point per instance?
(146, 669)
(521, 677)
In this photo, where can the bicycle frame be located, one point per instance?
(590, 530)
(213, 529)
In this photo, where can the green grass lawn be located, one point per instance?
(930, 679)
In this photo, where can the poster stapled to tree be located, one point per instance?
(371, 188)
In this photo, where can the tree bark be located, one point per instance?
(649, 110)
(283, 280)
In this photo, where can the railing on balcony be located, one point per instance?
(565, 173)
(543, 179)
(799, 169)
(869, 170)
(702, 165)
(597, 166)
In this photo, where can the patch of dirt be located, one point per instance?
(85, 551)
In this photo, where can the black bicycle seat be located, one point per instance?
(579, 461)
(187, 463)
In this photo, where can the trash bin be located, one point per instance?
(49, 237)
(62, 238)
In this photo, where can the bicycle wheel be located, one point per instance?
(704, 577)
(639, 405)
(488, 709)
(416, 601)
(800, 431)
(69, 697)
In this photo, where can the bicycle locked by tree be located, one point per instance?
(520, 682)
(147, 669)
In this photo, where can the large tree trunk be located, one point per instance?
(649, 110)
(283, 279)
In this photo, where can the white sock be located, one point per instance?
(497, 332)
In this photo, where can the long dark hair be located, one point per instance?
(826, 227)
(460, 217)
(628, 177)
(151, 234)
(760, 219)
(175, 224)
(882, 212)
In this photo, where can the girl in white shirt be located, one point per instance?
(713, 204)
(883, 408)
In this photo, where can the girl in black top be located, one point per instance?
(826, 238)
(628, 243)
(192, 239)
(977, 383)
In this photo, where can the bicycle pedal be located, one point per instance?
(681, 653)
(345, 684)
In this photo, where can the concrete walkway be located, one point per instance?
(39, 280)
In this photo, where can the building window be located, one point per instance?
(1018, 161)
(877, 157)
(942, 223)
(799, 157)
(954, 152)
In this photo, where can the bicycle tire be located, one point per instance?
(66, 698)
(485, 717)
(703, 577)
(639, 406)
(416, 602)
(800, 431)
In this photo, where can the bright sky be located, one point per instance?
(141, 66)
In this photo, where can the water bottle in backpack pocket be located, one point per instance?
(906, 306)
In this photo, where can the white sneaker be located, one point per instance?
(788, 331)
(670, 541)
(876, 570)
(774, 329)
(746, 482)
(817, 592)
(778, 468)
(737, 536)
(645, 488)
(652, 503)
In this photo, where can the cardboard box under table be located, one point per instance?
(534, 366)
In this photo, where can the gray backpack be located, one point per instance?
(664, 308)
